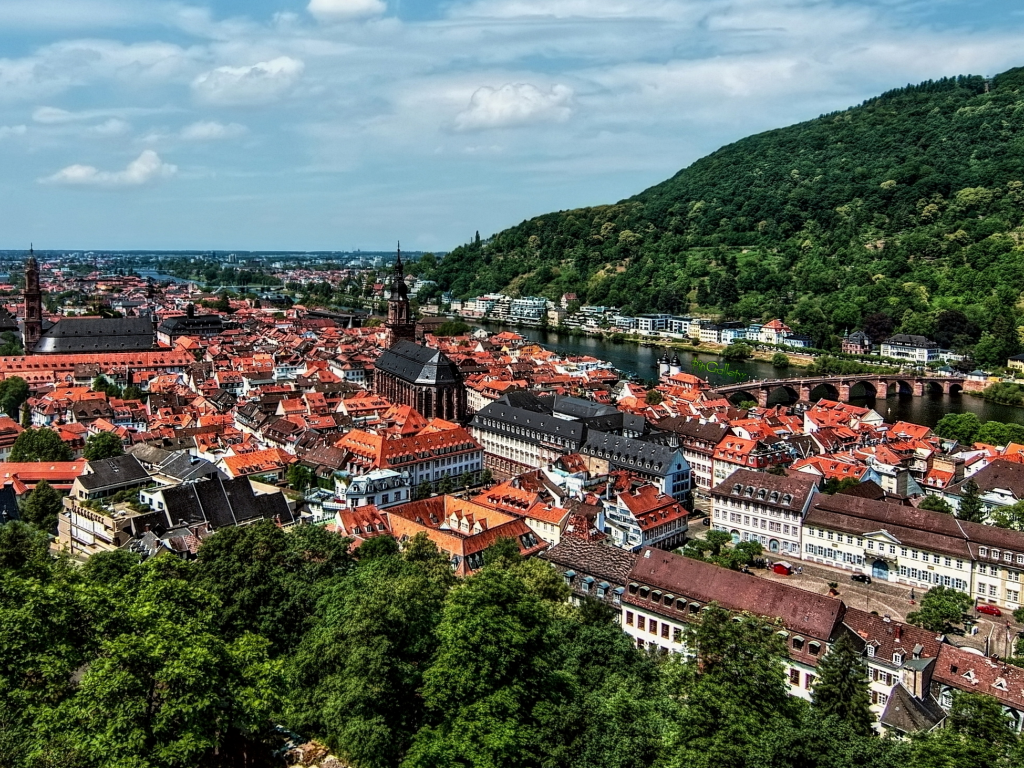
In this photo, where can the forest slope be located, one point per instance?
(910, 205)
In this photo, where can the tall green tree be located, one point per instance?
(941, 608)
(103, 445)
(42, 506)
(970, 507)
(356, 675)
(13, 394)
(976, 732)
(841, 688)
(41, 444)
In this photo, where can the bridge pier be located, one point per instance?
(844, 392)
(918, 388)
(805, 393)
(762, 397)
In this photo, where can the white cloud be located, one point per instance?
(514, 104)
(211, 131)
(12, 130)
(111, 127)
(260, 83)
(567, 9)
(146, 168)
(342, 10)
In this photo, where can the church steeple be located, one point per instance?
(400, 323)
(33, 325)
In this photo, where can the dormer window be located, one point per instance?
(814, 648)
(897, 658)
(798, 643)
(870, 650)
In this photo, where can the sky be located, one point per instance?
(344, 124)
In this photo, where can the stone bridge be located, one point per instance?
(840, 387)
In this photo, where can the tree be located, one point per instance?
(737, 351)
(976, 732)
(731, 690)
(13, 394)
(779, 470)
(962, 427)
(1011, 517)
(486, 477)
(300, 477)
(377, 546)
(103, 445)
(935, 504)
(445, 485)
(841, 689)
(834, 485)
(42, 506)
(424, 490)
(654, 397)
(941, 608)
(41, 444)
(357, 674)
(970, 507)
(878, 326)
(487, 676)
(780, 360)
(452, 328)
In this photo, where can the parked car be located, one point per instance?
(863, 578)
(991, 610)
(706, 521)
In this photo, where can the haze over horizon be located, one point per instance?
(347, 124)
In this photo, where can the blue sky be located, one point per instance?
(339, 124)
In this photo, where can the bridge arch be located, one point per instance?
(935, 387)
(955, 387)
(864, 388)
(783, 393)
(743, 395)
(822, 390)
(904, 387)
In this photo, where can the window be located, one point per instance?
(903, 551)
(992, 591)
(871, 545)
(814, 648)
(639, 644)
(883, 699)
(798, 643)
(808, 681)
(652, 627)
(677, 635)
(664, 630)
(794, 676)
(629, 618)
(897, 658)
(640, 622)
(870, 650)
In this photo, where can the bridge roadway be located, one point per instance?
(839, 387)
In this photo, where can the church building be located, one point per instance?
(78, 335)
(410, 374)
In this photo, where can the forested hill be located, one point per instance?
(910, 205)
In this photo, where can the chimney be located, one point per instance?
(899, 631)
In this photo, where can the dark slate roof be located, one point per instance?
(537, 427)
(184, 326)
(910, 340)
(526, 401)
(999, 474)
(7, 321)
(120, 470)
(709, 431)
(8, 505)
(418, 365)
(183, 466)
(97, 334)
(905, 713)
(630, 453)
(598, 560)
(222, 503)
(579, 408)
(797, 485)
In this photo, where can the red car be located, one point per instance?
(991, 610)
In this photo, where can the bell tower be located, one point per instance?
(400, 324)
(33, 304)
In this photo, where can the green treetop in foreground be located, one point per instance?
(394, 663)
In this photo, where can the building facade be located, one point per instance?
(768, 509)
(421, 378)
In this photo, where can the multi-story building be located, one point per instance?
(768, 509)
(592, 570)
(698, 441)
(906, 346)
(857, 343)
(661, 465)
(516, 439)
(665, 591)
(1000, 484)
(427, 456)
(529, 308)
(652, 323)
(644, 517)
(917, 547)
(381, 488)
(742, 453)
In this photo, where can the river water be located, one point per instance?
(643, 362)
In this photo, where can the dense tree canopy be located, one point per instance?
(41, 444)
(895, 215)
(103, 445)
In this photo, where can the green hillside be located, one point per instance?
(904, 213)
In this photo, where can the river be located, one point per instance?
(643, 362)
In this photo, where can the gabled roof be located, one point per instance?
(418, 364)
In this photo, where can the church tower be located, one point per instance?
(33, 304)
(400, 323)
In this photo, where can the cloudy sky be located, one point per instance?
(338, 124)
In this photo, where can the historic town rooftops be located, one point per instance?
(695, 433)
(527, 425)
(892, 642)
(631, 453)
(980, 674)
(597, 560)
(905, 713)
(1001, 473)
(789, 491)
(817, 616)
(417, 364)
(223, 503)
